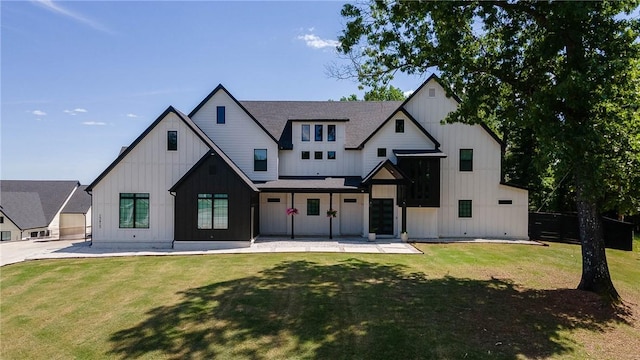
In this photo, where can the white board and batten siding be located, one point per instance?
(346, 163)
(148, 168)
(238, 136)
(481, 186)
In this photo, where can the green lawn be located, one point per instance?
(457, 301)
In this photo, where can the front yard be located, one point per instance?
(456, 301)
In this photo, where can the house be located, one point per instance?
(232, 170)
(31, 209)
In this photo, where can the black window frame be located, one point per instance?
(423, 187)
(331, 132)
(305, 135)
(317, 132)
(465, 209)
(382, 152)
(221, 115)
(313, 207)
(399, 125)
(138, 199)
(260, 164)
(331, 155)
(305, 155)
(317, 155)
(466, 164)
(3, 237)
(172, 140)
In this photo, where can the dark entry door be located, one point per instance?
(381, 216)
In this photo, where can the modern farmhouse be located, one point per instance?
(233, 170)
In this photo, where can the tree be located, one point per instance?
(565, 73)
(379, 93)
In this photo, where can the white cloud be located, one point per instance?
(75, 111)
(316, 42)
(408, 93)
(53, 7)
(130, 115)
(38, 113)
(94, 123)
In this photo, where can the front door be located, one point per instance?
(381, 216)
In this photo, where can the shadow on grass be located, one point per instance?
(362, 310)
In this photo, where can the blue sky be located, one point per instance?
(81, 79)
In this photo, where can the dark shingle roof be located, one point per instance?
(34, 203)
(79, 203)
(364, 117)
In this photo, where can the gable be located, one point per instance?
(413, 133)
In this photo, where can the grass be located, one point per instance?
(456, 301)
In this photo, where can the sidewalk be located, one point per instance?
(19, 251)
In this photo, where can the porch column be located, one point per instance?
(330, 217)
(292, 215)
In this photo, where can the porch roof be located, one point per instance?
(313, 185)
(419, 153)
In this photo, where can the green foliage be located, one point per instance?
(379, 93)
(560, 80)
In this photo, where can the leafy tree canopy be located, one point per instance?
(565, 75)
(379, 93)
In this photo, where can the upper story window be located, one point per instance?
(399, 125)
(172, 140)
(466, 159)
(382, 152)
(260, 160)
(305, 155)
(318, 132)
(1, 219)
(331, 133)
(317, 155)
(134, 210)
(220, 115)
(331, 155)
(306, 132)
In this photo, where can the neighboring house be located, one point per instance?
(75, 217)
(34, 209)
(232, 170)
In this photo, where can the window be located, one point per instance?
(331, 133)
(331, 155)
(34, 234)
(424, 186)
(273, 200)
(213, 211)
(318, 132)
(306, 132)
(134, 210)
(305, 155)
(172, 140)
(348, 200)
(432, 92)
(317, 155)
(220, 115)
(382, 152)
(399, 125)
(5, 235)
(313, 207)
(505, 202)
(205, 206)
(464, 208)
(466, 159)
(260, 160)
(1, 219)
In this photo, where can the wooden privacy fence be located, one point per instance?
(564, 228)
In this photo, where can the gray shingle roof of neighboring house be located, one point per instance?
(362, 117)
(79, 203)
(34, 203)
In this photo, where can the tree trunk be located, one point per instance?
(595, 271)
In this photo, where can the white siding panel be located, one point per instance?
(350, 214)
(411, 139)
(148, 168)
(422, 222)
(273, 215)
(238, 137)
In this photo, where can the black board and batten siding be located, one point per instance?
(564, 228)
(213, 176)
